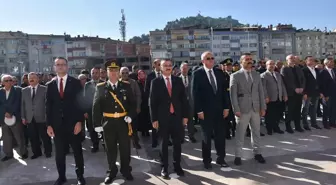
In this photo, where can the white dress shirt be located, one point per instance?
(116, 84)
(185, 80)
(246, 74)
(208, 75)
(165, 80)
(7, 93)
(312, 70)
(156, 73)
(330, 72)
(36, 86)
(64, 81)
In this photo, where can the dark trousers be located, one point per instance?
(293, 113)
(154, 137)
(116, 131)
(329, 112)
(135, 123)
(37, 133)
(26, 134)
(92, 132)
(272, 117)
(172, 129)
(231, 123)
(63, 138)
(217, 128)
(319, 111)
(310, 108)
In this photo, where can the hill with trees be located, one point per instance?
(198, 21)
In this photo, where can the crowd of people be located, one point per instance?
(227, 101)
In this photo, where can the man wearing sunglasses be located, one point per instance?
(248, 103)
(212, 106)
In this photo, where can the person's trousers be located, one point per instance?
(37, 133)
(310, 108)
(272, 117)
(329, 112)
(293, 113)
(116, 132)
(213, 127)
(63, 138)
(135, 123)
(231, 123)
(253, 119)
(171, 129)
(9, 133)
(93, 134)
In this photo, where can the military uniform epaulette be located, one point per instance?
(126, 82)
(101, 83)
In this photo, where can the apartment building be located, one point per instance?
(232, 43)
(310, 43)
(330, 44)
(43, 49)
(13, 53)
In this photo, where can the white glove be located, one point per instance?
(98, 129)
(128, 119)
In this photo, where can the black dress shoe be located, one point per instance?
(299, 130)
(208, 166)
(222, 164)
(60, 181)
(6, 158)
(179, 171)
(290, 131)
(269, 133)
(192, 139)
(164, 174)
(24, 156)
(81, 181)
(237, 161)
(48, 155)
(94, 150)
(279, 131)
(316, 127)
(259, 158)
(35, 156)
(136, 145)
(109, 179)
(307, 128)
(228, 137)
(128, 177)
(262, 134)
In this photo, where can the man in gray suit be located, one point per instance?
(187, 84)
(33, 113)
(295, 81)
(275, 92)
(248, 104)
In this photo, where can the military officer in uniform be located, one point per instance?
(226, 66)
(113, 111)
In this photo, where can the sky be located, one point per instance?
(101, 17)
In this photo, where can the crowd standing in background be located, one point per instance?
(228, 100)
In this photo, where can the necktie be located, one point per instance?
(333, 74)
(274, 77)
(169, 87)
(249, 79)
(158, 74)
(212, 82)
(185, 81)
(61, 90)
(114, 87)
(276, 81)
(33, 96)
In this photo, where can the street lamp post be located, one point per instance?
(20, 69)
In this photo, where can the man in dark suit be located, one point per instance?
(10, 108)
(154, 74)
(327, 84)
(311, 93)
(89, 90)
(64, 119)
(33, 116)
(295, 83)
(187, 84)
(212, 106)
(169, 112)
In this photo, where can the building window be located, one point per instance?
(226, 53)
(192, 54)
(181, 37)
(159, 47)
(191, 37)
(192, 46)
(226, 37)
(2, 52)
(225, 45)
(203, 45)
(180, 46)
(244, 45)
(198, 53)
(202, 37)
(253, 45)
(185, 53)
(176, 54)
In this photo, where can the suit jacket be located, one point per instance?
(64, 113)
(149, 79)
(312, 84)
(136, 92)
(160, 100)
(205, 100)
(289, 79)
(89, 90)
(274, 90)
(34, 108)
(327, 85)
(244, 98)
(12, 104)
(188, 94)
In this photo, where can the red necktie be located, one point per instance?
(169, 87)
(61, 90)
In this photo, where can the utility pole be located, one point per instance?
(38, 59)
(122, 25)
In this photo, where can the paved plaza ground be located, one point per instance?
(292, 159)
